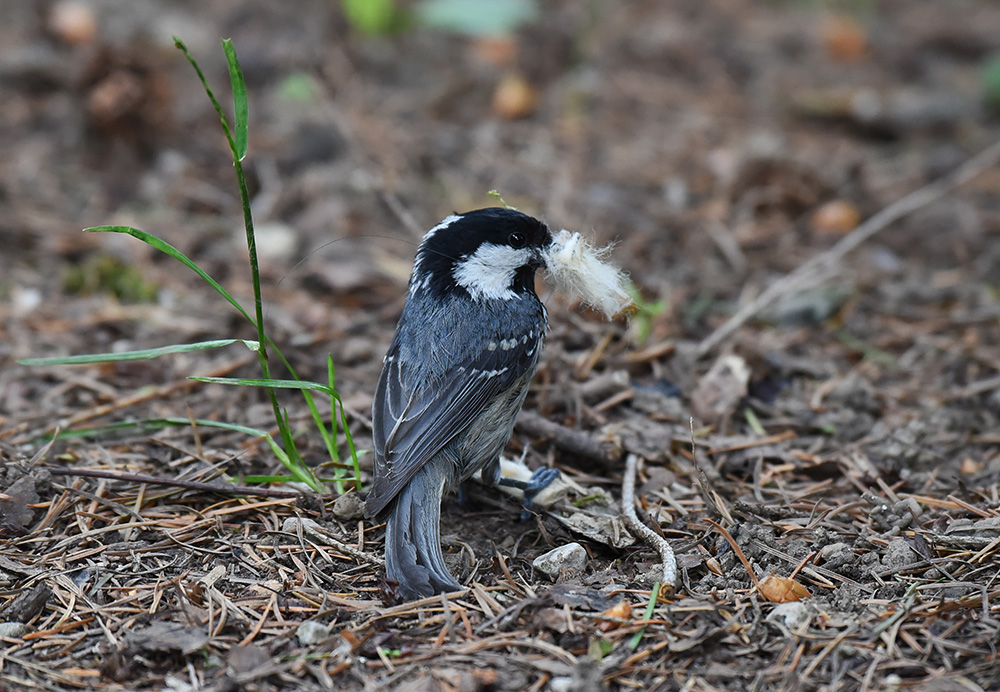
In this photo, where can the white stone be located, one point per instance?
(791, 614)
(571, 556)
(311, 632)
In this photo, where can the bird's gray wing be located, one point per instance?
(412, 421)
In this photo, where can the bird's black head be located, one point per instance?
(489, 253)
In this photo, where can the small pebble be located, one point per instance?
(571, 556)
(791, 614)
(13, 630)
(349, 507)
(311, 632)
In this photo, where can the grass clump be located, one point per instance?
(344, 474)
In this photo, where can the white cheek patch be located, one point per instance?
(578, 269)
(489, 271)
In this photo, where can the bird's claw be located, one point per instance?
(539, 481)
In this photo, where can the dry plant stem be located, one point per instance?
(807, 273)
(143, 395)
(669, 566)
(153, 480)
(736, 549)
(316, 532)
(711, 497)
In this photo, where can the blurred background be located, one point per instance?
(720, 144)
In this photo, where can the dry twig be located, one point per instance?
(806, 274)
(171, 482)
(637, 527)
(574, 441)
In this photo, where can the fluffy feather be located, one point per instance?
(578, 269)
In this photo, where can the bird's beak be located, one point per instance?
(543, 256)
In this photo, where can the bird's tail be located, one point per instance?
(413, 556)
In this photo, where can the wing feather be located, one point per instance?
(414, 420)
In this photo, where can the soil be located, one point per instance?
(845, 439)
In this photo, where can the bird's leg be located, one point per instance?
(462, 495)
(539, 481)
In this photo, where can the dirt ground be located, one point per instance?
(846, 435)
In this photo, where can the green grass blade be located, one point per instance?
(754, 422)
(269, 479)
(176, 254)
(151, 424)
(350, 445)
(290, 456)
(331, 380)
(654, 596)
(275, 384)
(242, 107)
(329, 441)
(208, 90)
(142, 354)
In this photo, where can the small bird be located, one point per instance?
(453, 381)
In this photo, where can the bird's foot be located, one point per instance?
(539, 481)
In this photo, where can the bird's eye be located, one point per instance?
(517, 240)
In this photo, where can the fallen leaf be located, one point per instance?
(837, 217)
(611, 618)
(250, 662)
(553, 619)
(721, 389)
(578, 597)
(14, 510)
(782, 589)
(165, 637)
(609, 530)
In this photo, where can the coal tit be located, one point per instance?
(453, 380)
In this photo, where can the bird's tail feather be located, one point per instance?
(413, 556)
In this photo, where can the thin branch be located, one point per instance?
(655, 540)
(708, 492)
(568, 439)
(303, 527)
(807, 273)
(189, 485)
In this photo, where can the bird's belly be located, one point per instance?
(485, 439)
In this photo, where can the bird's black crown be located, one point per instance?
(457, 238)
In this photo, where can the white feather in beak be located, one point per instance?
(577, 269)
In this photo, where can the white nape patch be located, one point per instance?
(577, 269)
(444, 224)
(489, 271)
(418, 280)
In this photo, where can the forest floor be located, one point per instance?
(844, 440)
